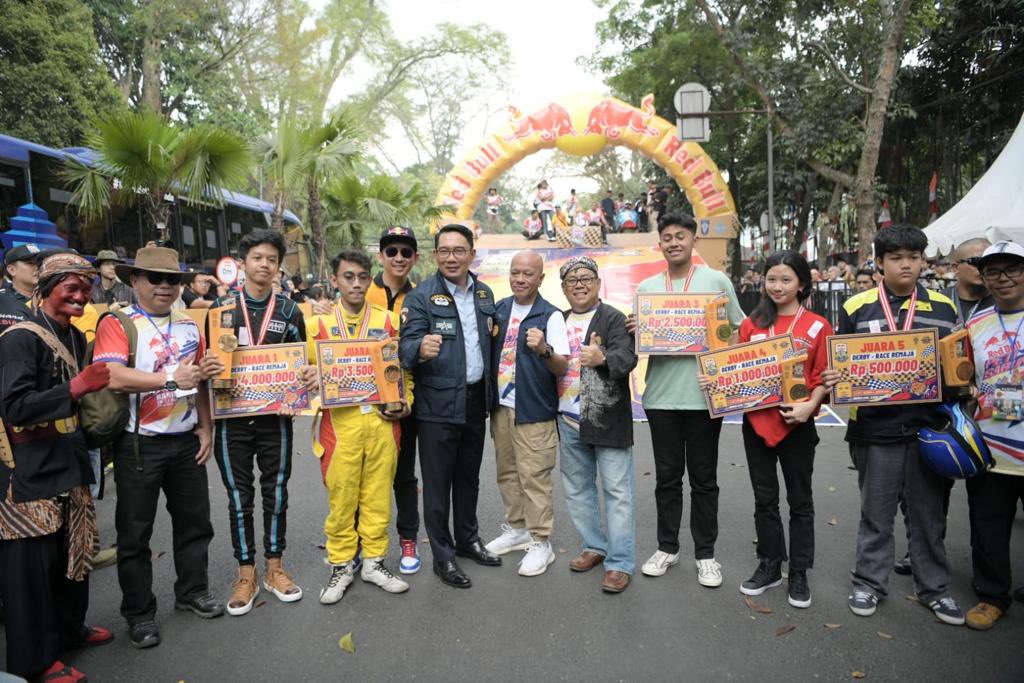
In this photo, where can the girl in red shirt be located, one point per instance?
(785, 434)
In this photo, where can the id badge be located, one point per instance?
(1008, 402)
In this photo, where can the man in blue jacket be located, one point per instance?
(446, 335)
(529, 358)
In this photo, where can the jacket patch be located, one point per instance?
(445, 327)
(276, 326)
(441, 300)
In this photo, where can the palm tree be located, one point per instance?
(141, 157)
(355, 208)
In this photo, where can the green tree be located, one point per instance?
(51, 80)
(142, 157)
(357, 210)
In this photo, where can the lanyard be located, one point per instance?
(166, 337)
(267, 316)
(364, 325)
(686, 282)
(1018, 348)
(883, 300)
(799, 312)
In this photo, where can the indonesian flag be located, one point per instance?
(933, 198)
(884, 217)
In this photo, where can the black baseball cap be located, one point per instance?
(398, 233)
(22, 252)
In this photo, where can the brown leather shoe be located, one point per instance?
(615, 582)
(244, 592)
(277, 581)
(585, 561)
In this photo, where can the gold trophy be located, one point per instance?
(224, 342)
(957, 369)
(389, 375)
(794, 385)
(716, 317)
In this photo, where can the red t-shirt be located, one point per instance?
(809, 336)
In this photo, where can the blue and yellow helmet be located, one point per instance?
(953, 445)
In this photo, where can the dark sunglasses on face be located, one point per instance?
(160, 278)
(392, 252)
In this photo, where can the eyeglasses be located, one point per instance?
(362, 277)
(1011, 272)
(160, 278)
(586, 281)
(445, 252)
(392, 252)
(972, 261)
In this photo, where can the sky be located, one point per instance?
(545, 38)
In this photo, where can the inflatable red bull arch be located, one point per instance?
(582, 125)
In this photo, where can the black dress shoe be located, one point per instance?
(479, 554)
(450, 574)
(205, 605)
(144, 634)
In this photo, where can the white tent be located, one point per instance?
(993, 208)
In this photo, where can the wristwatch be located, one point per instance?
(170, 384)
(548, 350)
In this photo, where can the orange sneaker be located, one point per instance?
(983, 616)
(244, 591)
(279, 583)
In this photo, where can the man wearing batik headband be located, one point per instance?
(595, 427)
(47, 518)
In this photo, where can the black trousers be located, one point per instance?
(45, 610)
(993, 499)
(267, 439)
(795, 455)
(686, 439)
(165, 463)
(450, 457)
(407, 497)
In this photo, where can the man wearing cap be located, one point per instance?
(596, 427)
(997, 344)
(398, 256)
(447, 333)
(108, 289)
(166, 443)
(16, 299)
(531, 350)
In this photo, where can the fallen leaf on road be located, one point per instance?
(562, 550)
(260, 603)
(832, 489)
(736, 464)
(760, 609)
(320, 545)
(157, 556)
(833, 521)
(912, 598)
(783, 630)
(647, 474)
(832, 626)
(884, 635)
(346, 643)
(858, 674)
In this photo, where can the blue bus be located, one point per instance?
(201, 234)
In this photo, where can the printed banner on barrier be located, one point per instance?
(746, 376)
(264, 380)
(359, 372)
(681, 323)
(893, 368)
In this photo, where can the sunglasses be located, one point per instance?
(160, 278)
(392, 252)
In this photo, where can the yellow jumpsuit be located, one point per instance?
(358, 450)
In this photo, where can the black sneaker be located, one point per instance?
(144, 634)
(799, 590)
(947, 611)
(902, 567)
(204, 605)
(767, 575)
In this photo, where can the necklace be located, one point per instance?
(363, 325)
(799, 312)
(686, 283)
(883, 300)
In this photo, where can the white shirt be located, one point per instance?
(556, 335)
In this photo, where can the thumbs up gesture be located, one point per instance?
(591, 355)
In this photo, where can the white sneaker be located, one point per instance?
(659, 563)
(538, 556)
(375, 572)
(340, 579)
(510, 539)
(709, 573)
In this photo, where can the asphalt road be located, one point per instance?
(559, 626)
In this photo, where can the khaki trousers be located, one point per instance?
(525, 455)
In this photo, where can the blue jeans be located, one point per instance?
(580, 465)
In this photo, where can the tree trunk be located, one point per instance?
(831, 225)
(864, 181)
(151, 89)
(802, 228)
(316, 228)
(277, 215)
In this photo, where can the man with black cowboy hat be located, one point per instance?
(158, 357)
(109, 290)
(398, 256)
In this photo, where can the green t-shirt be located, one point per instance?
(672, 380)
